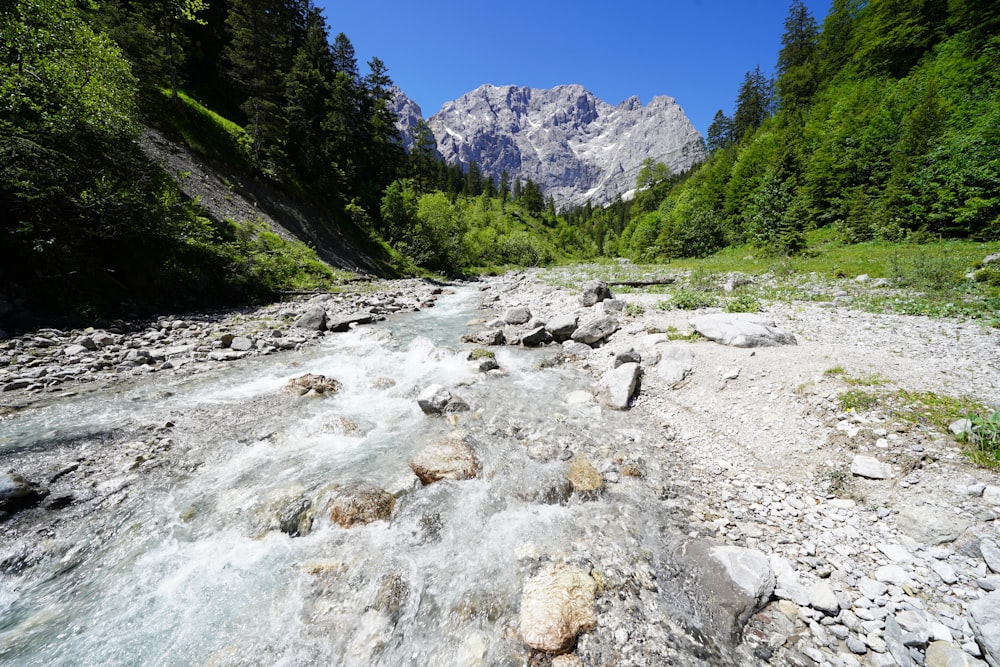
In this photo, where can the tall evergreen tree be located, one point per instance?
(721, 133)
(798, 58)
(753, 103)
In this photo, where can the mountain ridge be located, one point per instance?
(577, 147)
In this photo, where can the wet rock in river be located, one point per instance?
(451, 458)
(17, 493)
(486, 337)
(584, 477)
(312, 384)
(562, 327)
(360, 503)
(345, 322)
(557, 605)
(435, 400)
(313, 319)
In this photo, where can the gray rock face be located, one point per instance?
(408, 115)
(741, 330)
(313, 319)
(575, 146)
(929, 525)
(984, 617)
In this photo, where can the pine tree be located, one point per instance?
(753, 103)
(798, 59)
(721, 133)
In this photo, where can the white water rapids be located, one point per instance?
(178, 560)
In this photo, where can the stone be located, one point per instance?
(991, 554)
(341, 323)
(629, 356)
(930, 525)
(241, 344)
(594, 291)
(676, 364)
(557, 604)
(960, 426)
(487, 337)
(75, 350)
(451, 458)
(517, 315)
(893, 637)
(313, 319)
(535, 337)
(567, 660)
(312, 384)
(576, 350)
(741, 330)
(562, 327)
(991, 494)
(616, 388)
(435, 400)
(893, 574)
(595, 330)
(584, 477)
(360, 503)
(17, 493)
(984, 618)
(946, 654)
(822, 598)
(870, 467)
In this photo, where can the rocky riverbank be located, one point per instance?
(881, 535)
(820, 535)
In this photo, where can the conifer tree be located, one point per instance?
(797, 60)
(753, 103)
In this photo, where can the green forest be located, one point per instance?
(882, 123)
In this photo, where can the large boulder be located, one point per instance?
(557, 604)
(617, 387)
(486, 337)
(930, 525)
(313, 319)
(594, 291)
(562, 327)
(535, 337)
(312, 384)
(359, 503)
(729, 584)
(17, 493)
(984, 617)
(595, 330)
(741, 330)
(451, 458)
(517, 315)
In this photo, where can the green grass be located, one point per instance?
(201, 129)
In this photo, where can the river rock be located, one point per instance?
(517, 315)
(562, 327)
(594, 291)
(313, 319)
(629, 356)
(930, 525)
(342, 323)
(946, 654)
(741, 330)
(616, 387)
(822, 598)
(584, 477)
(731, 583)
(870, 467)
(435, 400)
(451, 458)
(487, 337)
(595, 330)
(75, 350)
(676, 363)
(557, 604)
(312, 384)
(241, 344)
(984, 617)
(535, 337)
(360, 503)
(17, 493)
(991, 554)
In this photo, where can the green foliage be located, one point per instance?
(984, 438)
(859, 399)
(689, 299)
(744, 303)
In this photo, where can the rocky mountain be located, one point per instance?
(408, 114)
(574, 145)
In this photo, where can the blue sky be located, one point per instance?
(696, 51)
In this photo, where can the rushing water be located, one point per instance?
(184, 565)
